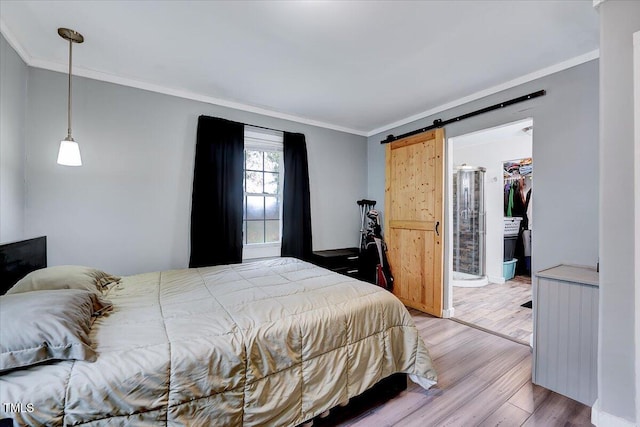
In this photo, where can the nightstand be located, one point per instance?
(343, 261)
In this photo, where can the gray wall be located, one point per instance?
(127, 209)
(13, 87)
(565, 155)
(616, 389)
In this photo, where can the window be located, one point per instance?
(263, 180)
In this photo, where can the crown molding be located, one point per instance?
(589, 56)
(13, 42)
(597, 3)
(185, 94)
(180, 93)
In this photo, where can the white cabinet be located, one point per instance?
(565, 331)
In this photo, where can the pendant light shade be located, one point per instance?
(69, 153)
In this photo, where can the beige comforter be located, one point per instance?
(272, 342)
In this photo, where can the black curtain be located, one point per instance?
(296, 205)
(216, 201)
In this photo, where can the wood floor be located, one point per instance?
(497, 307)
(483, 380)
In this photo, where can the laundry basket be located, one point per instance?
(509, 269)
(511, 225)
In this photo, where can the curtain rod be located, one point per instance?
(246, 124)
(438, 123)
(264, 127)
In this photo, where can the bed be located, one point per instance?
(272, 342)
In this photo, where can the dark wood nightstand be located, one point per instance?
(343, 261)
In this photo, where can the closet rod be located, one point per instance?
(438, 123)
(516, 178)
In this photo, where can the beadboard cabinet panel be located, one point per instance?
(566, 332)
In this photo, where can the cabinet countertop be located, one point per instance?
(571, 273)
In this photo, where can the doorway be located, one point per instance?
(483, 173)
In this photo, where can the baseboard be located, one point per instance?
(448, 313)
(600, 418)
(496, 279)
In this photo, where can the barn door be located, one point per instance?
(413, 220)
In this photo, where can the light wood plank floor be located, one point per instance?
(483, 380)
(497, 307)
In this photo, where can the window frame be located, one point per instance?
(263, 140)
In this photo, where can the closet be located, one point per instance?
(518, 221)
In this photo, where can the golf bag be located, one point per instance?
(374, 267)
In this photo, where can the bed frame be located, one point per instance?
(18, 259)
(383, 391)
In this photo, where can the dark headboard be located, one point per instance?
(18, 259)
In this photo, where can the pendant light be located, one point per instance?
(69, 153)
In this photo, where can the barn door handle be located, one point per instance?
(437, 225)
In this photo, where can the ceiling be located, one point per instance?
(356, 66)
